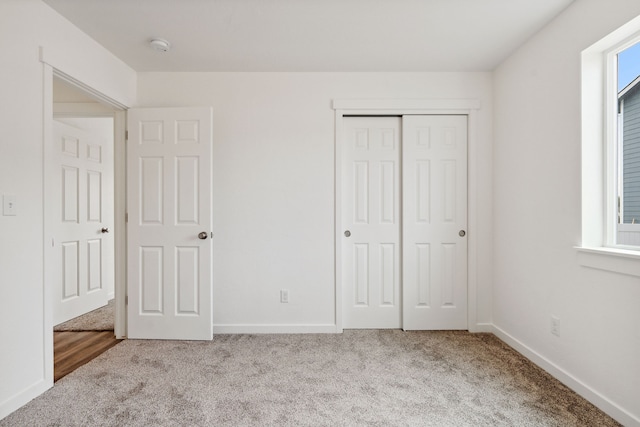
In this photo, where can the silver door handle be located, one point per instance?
(104, 230)
(347, 233)
(202, 235)
(462, 233)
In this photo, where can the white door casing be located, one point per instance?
(81, 184)
(434, 222)
(169, 203)
(371, 221)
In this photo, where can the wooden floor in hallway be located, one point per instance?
(73, 349)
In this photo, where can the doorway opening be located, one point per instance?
(79, 226)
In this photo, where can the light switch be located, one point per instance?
(8, 205)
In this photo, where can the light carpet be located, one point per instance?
(101, 319)
(359, 378)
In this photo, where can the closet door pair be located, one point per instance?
(404, 213)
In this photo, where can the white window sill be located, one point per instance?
(623, 261)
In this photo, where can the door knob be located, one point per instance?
(462, 233)
(202, 235)
(104, 230)
(347, 233)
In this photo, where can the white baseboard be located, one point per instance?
(481, 328)
(614, 411)
(274, 329)
(22, 398)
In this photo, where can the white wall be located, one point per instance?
(274, 183)
(537, 219)
(25, 25)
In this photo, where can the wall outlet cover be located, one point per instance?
(284, 296)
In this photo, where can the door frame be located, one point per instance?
(400, 107)
(107, 108)
(118, 112)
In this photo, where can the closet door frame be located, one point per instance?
(399, 107)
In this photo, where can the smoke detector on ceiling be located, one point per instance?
(160, 45)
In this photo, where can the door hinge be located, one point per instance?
(126, 300)
(126, 135)
(126, 217)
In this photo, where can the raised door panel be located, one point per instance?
(94, 265)
(187, 190)
(423, 275)
(70, 194)
(70, 270)
(151, 181)
(187, 271)
(151, 289)
(94, 196)
(360, 273)
(388, 276)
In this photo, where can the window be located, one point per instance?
(627, 147)
(610, 183)
(624, 145)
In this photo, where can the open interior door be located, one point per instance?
(169, 180)
(81, 186)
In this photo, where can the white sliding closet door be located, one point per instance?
(371, 218)
(434, 222)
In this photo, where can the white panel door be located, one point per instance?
(434, 222)
(82, 195)
(371, 220)
(169, 184)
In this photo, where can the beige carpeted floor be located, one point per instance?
(101, 319)
(359, 378)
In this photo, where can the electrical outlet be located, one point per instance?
(284, 296)
(555, 326)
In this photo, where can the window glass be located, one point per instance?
(628, 145)
(629, 135)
